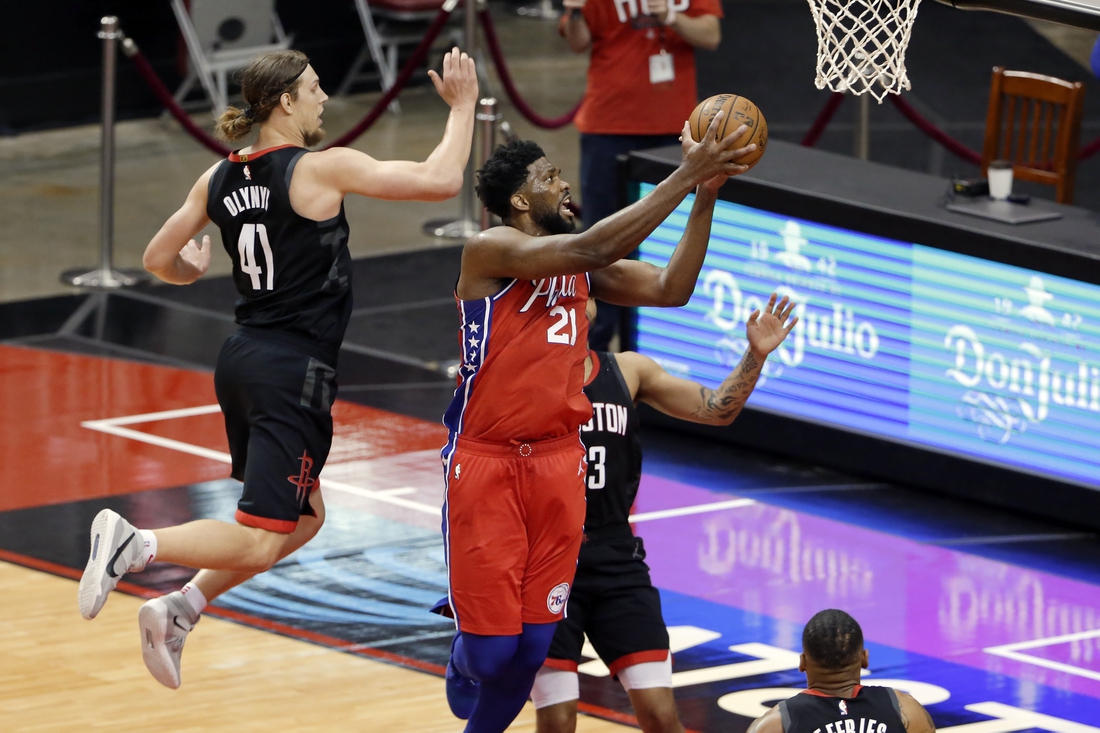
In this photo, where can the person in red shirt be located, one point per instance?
(514, 463)
(641, 88)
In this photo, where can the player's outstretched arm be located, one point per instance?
(506, 252)
(438, 177)
(913, 715)
(634, 283)
(688, 400)
(173, 255)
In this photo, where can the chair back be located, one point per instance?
(1034, 122)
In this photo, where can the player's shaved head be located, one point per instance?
(832, 639)
(504, 173)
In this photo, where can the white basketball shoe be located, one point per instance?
(117, 549)
(164, 623)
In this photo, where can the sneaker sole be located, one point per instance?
(153, 625)
(95, 584)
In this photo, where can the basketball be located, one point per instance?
(739, 111)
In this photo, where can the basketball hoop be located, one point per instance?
(861, 45)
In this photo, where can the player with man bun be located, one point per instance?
(281, 214)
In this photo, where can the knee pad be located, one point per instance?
(647, 675)
(554, 686)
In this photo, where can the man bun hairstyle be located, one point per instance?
(263, 84)
(504, 173)
(833, 639)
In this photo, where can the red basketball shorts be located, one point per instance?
(513, 520)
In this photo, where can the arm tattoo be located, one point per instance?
(725, 403)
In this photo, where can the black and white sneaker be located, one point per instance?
(117, 549)
(164, 623)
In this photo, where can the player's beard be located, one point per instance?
(312, 138)
(551, 220)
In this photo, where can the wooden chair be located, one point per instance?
(1026, 112)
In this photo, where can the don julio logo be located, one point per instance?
(836, 328)
(1009, 391)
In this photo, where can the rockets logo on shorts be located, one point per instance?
(555, 602)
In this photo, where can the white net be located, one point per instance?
(861, 45)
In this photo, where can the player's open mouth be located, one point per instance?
(563, 207)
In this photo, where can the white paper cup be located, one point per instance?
(1000, 179)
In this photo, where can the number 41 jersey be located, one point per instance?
(293, 273)
(522, 372)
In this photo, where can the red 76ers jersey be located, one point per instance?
(522, 371)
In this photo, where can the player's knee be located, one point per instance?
(264, 551)
(659, 719)
(560, 718)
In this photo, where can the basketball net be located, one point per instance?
(861, 45)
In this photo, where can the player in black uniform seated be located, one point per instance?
(613, 600)
(280, 209)
(834, 700)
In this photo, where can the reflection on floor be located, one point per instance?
(983, 616)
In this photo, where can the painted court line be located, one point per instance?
(1012, 651)
(686, 510)
(113, 426)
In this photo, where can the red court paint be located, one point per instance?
(48, 458)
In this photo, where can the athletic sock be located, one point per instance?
(194, 597)
(149, 550)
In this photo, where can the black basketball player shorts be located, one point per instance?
(277, 402)
(614, 602)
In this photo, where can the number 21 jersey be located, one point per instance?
(293, 273)
(521, 377)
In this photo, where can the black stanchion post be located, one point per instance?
(105, 276)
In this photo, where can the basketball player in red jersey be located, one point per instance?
(280, 209)
(514, 507)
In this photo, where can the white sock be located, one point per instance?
(195, 597)
(149, 551)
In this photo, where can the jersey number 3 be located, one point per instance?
(597, 471)
(567, 319)
(246, 247)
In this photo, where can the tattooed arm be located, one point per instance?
(687, 400)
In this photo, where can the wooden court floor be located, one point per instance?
(61, 673)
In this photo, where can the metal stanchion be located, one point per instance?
(106, 276)
(861, 145)
(465, 226)
(487, 119)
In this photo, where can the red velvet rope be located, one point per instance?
(399, 83)
(547, 123)
(157, 86)
(823, 119)
(1089, 150)
(934, 132)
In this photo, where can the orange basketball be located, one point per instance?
(739, 111)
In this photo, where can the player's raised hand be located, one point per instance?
(712, 157)
(458, 87)
(196, 255)
(766, 330)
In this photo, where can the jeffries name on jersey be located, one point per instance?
(535, 333)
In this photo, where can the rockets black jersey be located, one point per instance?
(613, 446)
(293, 273)
(872, 710)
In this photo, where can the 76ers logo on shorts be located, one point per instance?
(557, 598)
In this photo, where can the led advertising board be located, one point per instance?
(897, 340)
